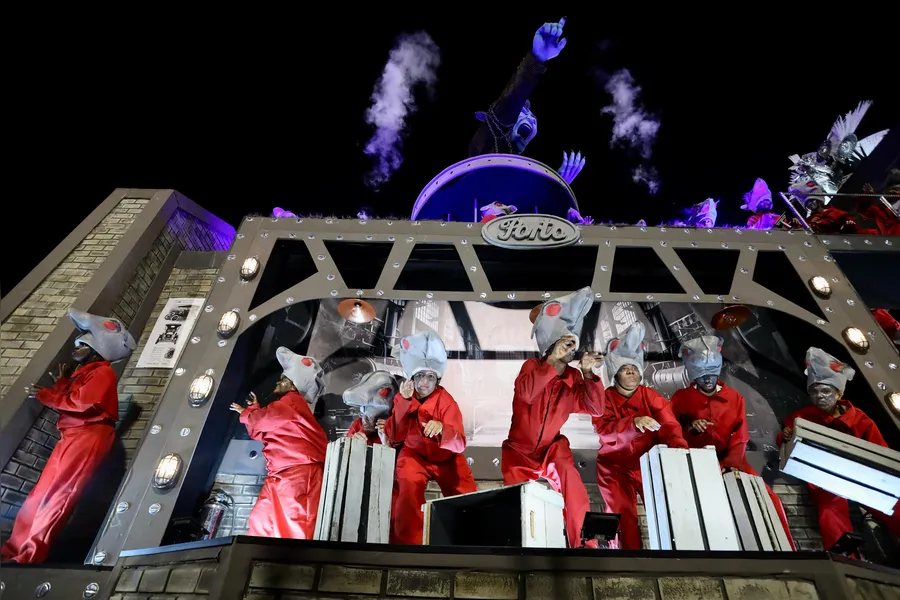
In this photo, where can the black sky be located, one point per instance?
(242, 118)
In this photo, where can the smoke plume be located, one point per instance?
(633, 127)
(413, 62)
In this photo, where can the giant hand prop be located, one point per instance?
(572, 165)
(548, 41)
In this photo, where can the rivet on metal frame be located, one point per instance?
(807, 244)
(820, 321)
(185, 431)
(240, 236)
(390, 222)
(292, 235)
(122, 507)
(696, 297)
(249, 219)
(687, 231)
(90, 591)
(598, 295)
(801, 258)
(155, 429)
(473, 268)
(154, 508)
(511, 296)
(724, 245)
(195, 339)
(780, 247)
(870, 364)
(359, 292)
(649, 296)
(179, 371)
(604, 268)
(881, 385)
(264, 234)
(612, 227)
(409, 239)
(892, 366)
(42, 590)
(396, 265)
(334, 292)
(330, 277)
(828, 309)
(311, 236)
(770, 302)
(330, 221)
(379, 293)
(643, 229)
(222, 343)
(867, 242)
(662, 229)
(482, 295)
(663, 243)
(693, 244)
(231, 257)
(469, 225)
(391, 238)
(826, 242)
(429, 295)
(289, 299)
(221, 280)
(209, 308)
(464, 241)
(850, 302)
(745, 270)
(720, 298)
(751, 248)
(99, 557)
(676, 267)
(321, 257)
(252, 317)
(369, 237)
(888, 243)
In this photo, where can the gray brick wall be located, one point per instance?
(243, 489)
(33, 320)
(25, 330)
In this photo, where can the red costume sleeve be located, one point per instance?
(680, 409)
(259, 420)
(82, 398)
(357, 426)
(865, 429)
(590, 397)
(395, 426)
(614, 432)
(534, 376)
(740, 435)
(453, 435)
(670, 429)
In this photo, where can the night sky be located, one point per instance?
(242, 121)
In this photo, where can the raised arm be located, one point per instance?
(260, 420)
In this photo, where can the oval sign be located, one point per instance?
(527, 232)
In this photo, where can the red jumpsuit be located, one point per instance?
(728, 432)
(88, 406)
(621, 448)
(422, 459)
(834, 512)
(357, 426)
(832, 220)
(886, 221)
(294, 448)
(542, 404)
(887, 322)
(762, 220)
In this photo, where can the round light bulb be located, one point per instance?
(228, 324)
(250, 268)
(820, 286)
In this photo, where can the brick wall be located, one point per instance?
(32, 322)
(25, 330)
(190, 580)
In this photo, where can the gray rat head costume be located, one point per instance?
(107, 336)
(822, 367)
(562, 317)
(626, 350)
(423, 351)
(304, 372)
(702, 356)
(373, 395)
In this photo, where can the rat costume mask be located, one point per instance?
(626, 350)
(304, 372)
(759, 202)
(703, 361)
(561, 318)
(88, 406)
(373, 396)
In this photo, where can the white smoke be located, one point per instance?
(633, 126)
(413, 61)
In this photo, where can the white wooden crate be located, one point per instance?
(844, 465)
(685, 500)
(527, 515)
(754, 513)
(355, 505)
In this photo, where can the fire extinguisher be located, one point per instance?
(213, 511)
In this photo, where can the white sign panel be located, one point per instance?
(170, 333)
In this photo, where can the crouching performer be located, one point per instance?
(547, 391)
(294, 448)
(374, 397)
(88, 406)
(427, 425)
(713, 414)
(826, 378)
(634, 420)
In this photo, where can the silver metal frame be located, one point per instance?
(809, 255)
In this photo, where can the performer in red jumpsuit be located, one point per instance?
(88, 406)
(826, 378)
(888, 323)
(547, 391)
(294, 448)
(374, 397)
(713, 414)
(635, 418)
(428, 426)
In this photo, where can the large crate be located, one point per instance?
(754, 513)
(685, 500)
(844, 465)
(355, 505)
(526, 515)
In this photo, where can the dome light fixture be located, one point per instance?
(228, 324)
(820, 287)
(201, 389)
(250, 268)
(856, 339)
(168, 470)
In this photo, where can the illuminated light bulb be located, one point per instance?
(228, 324)
(201, 389)
(894, 400)
(820, 286)
(856, 339)
(250, 268)
(167, 471)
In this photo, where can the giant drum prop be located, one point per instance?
(685, 500)
(844, 465)
(525, 515)
(754, 512)
(355, 505)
